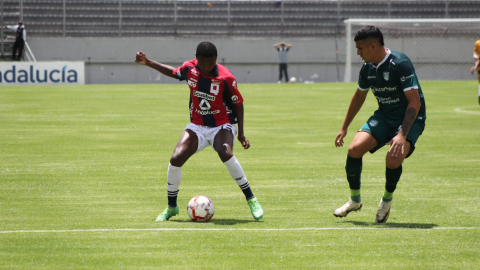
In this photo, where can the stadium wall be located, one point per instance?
(111, 60)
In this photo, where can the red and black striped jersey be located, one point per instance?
(212, 99)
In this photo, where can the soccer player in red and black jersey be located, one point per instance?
(216, 106)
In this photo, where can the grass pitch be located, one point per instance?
(83, 177)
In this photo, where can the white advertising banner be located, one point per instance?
(39, 73)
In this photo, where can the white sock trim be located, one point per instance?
(236, 172)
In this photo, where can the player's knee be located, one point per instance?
(394, 162)
(225, 152)
(355, 151)
(178, 160)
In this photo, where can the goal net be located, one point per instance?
(440, 49)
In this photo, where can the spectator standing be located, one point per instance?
(282, 49)
(20, 39)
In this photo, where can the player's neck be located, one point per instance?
(381, 56)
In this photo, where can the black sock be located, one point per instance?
(354, 172)
(172, 198)
(392, 176)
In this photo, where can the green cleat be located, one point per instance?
(168, 213)
(256, 209)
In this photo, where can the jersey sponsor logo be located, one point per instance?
(386, 75)
(408, 77)
(206, 112)
(194, 72)
(193, 79)
(192, 84)
(371, 77)
(383, 89)
(204, 105)
(203, 95)
(388, 100)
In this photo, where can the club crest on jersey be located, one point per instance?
(373, 123)
(386, 75)
(234, 98)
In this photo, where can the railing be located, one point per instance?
(29, 53)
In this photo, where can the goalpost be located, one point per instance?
(440, 49)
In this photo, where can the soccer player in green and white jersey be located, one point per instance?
(398, 122)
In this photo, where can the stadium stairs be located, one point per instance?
(44, 18)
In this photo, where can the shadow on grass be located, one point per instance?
(393, 225)
(218, 221)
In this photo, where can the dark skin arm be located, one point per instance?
(397, 144)
(239, 112)
(166, 70)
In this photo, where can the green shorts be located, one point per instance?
(383, 129)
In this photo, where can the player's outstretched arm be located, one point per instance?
(166, 70)
(239, 112)
(355, 105)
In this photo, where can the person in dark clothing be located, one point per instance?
(20, 39)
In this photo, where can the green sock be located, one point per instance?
(387, 196)
(355, 195)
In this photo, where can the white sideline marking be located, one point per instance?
(240, 229)
(462, 110)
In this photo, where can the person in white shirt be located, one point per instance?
(282, 49)
(20, 39)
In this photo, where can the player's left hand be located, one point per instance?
(244, 141)
(472, 70)
(397, 145)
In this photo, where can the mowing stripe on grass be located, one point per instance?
(239, 229)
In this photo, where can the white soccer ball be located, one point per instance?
(293, 80)
(200, 208)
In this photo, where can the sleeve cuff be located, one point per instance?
(410, 88)
(362, 89)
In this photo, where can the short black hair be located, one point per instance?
(206, 49)
(370, 31)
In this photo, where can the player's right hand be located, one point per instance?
(339, 140)
(472, 70)
(141, 58)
